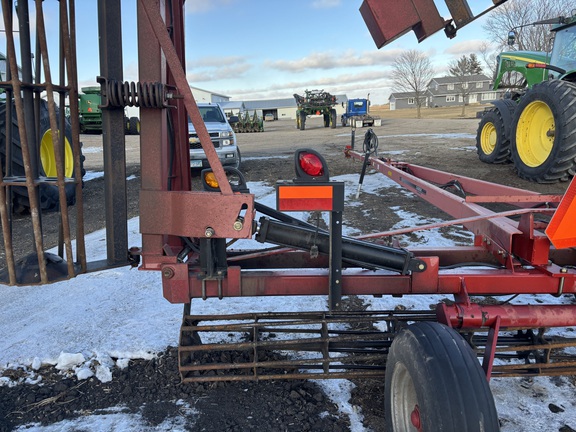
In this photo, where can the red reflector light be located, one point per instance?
(536, 66)
(311, 164)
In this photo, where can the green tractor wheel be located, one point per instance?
(49, 197)
(543, 148)
(48, 158)
(492, 141)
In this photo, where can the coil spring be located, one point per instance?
(123, 94)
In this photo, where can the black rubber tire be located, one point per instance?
(326, 120)
(239, 163)
(134, 126)
(302, 122)
(343, 122)
(433, 372)
(49, 197)
(559, 165)
(333, 118)
(492, 123)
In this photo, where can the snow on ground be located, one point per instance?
(81, 324)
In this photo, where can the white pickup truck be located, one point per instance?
(222, 135)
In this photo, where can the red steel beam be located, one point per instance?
(474, 316)
(503, 231)
(180, 285)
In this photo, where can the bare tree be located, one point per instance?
(412, 72)
(517, 13)
(488, 54)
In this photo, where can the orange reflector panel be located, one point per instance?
(305, 198)
(562, 228)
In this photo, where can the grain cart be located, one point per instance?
(533, 128)
(90, 113)
(435, 363)
(315, 102)
(357, 114)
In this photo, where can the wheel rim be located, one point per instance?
(535, 134)
(405, 411)
(48, 159)
(488, 138)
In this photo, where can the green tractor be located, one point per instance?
(315, 102)
(535, 126)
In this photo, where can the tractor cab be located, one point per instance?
(564, 50)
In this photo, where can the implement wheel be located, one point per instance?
(542, 144)
(434, 382)
(492, 141)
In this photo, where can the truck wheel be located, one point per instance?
(542, 143)
(326, 120)
(492, 144)
(239, 161)
(302, 121)
(333, 118)
(343, 122)
(434, 382)
(49, 198)
(134, 126)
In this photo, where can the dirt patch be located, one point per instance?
(152, 389)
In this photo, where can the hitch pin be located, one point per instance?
(560, 285)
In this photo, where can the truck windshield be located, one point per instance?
(564, 50)
(212, 114)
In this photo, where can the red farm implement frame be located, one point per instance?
(191, 252)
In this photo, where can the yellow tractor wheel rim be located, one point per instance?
(535, 134)
(48, 158)
(488, 138)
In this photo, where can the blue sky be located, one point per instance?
(259, 49)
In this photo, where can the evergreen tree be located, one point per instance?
(475, 65)
(462, 69)
(465, 66)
